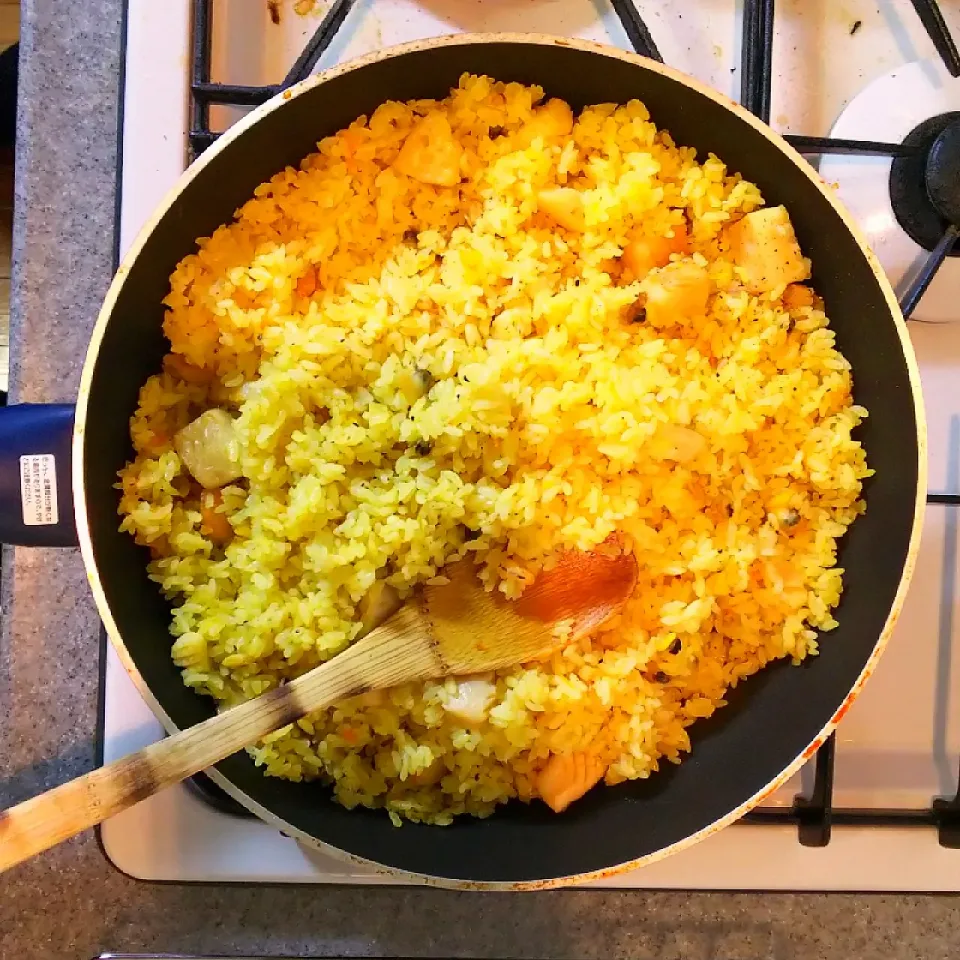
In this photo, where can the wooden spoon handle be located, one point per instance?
(398, 650)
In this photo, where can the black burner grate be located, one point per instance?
(813, 815)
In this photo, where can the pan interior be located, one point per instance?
(772, 718)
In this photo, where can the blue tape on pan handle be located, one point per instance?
(36, 495)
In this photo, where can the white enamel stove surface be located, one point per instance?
(900, 743)
(888, 109)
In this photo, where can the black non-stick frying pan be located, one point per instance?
(773, 721)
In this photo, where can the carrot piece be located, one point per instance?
(567, 777)
(215, 523)
(183, 369)
(351, 140)
(159, 548)
(796, 296)
(643, 255)
(158, 441)
(307, 284)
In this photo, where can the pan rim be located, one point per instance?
(222, 144)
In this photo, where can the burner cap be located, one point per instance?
(925, 174)
(943, 173)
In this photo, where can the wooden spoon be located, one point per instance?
(446, 630)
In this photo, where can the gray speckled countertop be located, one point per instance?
(70, 903)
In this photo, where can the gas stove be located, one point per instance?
(852, 85)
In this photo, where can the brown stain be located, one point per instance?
(274, 7)
(289, 708)
(138, 781)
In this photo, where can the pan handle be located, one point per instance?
(36, 494)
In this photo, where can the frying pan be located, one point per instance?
(774, 721)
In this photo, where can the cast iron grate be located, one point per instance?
(813, 815)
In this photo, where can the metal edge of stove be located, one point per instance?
(102, 641)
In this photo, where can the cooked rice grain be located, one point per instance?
(422, 372)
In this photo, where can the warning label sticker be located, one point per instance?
(38, 489)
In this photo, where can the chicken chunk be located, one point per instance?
(676, 443)
(472, 700)
(764, 246)
(567, 777)
(676, 293)
(564, 205)
(209, 448)
(431, 153)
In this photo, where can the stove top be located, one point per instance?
(867, 814)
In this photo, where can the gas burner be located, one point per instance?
(911, 176)
(907, 108)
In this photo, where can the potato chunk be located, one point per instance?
(676, 293)
(209, 448)
(673, 442)
(554, 119)
(764, 247)
(564, 205)
(431, 153)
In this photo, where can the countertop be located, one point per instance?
(70, 903)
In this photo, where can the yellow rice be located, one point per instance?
(465, 378)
